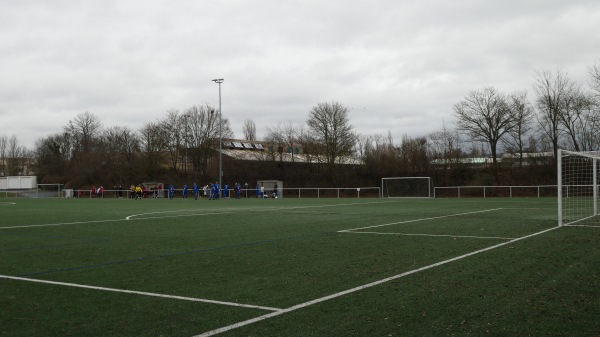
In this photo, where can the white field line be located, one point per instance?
(7, 203)
(63, 224)
(359, 288)
(130, 217)
(172, 216)
(436, 235)
(417, 220)
(230, 210)
(74, 285)
(589, 226)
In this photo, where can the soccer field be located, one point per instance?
(295, 267)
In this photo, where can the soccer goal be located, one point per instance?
(49, 190)
(578, 188)
(406, 187)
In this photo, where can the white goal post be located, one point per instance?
(406, 187)
(577, 174)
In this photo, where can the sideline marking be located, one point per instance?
(5, 203)
(359, 288)
(436, 235)
(183, 298)
(417, 220)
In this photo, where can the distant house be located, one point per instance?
(264, 151)
(470, 162)
(530, 158)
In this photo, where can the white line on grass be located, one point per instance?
(172, 216)
(435, 235)
(417, 220)
(369, 285)
(74, 285)
(589, 226)
(62, 224)
(229, 211)
(7, 203)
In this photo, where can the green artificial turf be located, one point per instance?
(286, 253)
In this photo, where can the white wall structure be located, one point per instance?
(18, 182)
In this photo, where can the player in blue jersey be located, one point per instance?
(185, 192)
(196, 191)
(212, 191)
(226, 191)
(171, 191)
(238, 191)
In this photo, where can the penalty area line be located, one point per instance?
(417, 220)
(359, 288)
(175, 297)
(436, 235)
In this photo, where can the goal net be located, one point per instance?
(49, 190)
(406, 187)
(578, 188)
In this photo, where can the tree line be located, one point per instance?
(558, 113)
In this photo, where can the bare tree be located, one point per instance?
(15, 157)
(120, 144)
(3, 145)
(171, 125)
(329, 125)
(485, 116)
(551, 90)
(412, 155)
(53, 155)
(275, 143)
(595, 82)
(285, 138)
(201, 125)
(523, 113)
(153, 142)
(84, 128)
(445, 145)
(576, 103)
(249, 129)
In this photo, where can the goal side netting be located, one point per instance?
(406, 187)
(578, 188)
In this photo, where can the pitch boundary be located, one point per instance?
(417, 220)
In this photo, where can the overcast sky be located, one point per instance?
(398, 65)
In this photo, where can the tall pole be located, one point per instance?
(219, 81)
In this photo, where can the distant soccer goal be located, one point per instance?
(578, 188)
(406, 187)
(49, 191)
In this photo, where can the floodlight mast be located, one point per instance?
(219, 81)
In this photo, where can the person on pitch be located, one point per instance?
(196, 191)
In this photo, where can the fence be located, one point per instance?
(305, 192)
(495, 191)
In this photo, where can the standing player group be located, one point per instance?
(212, 191)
